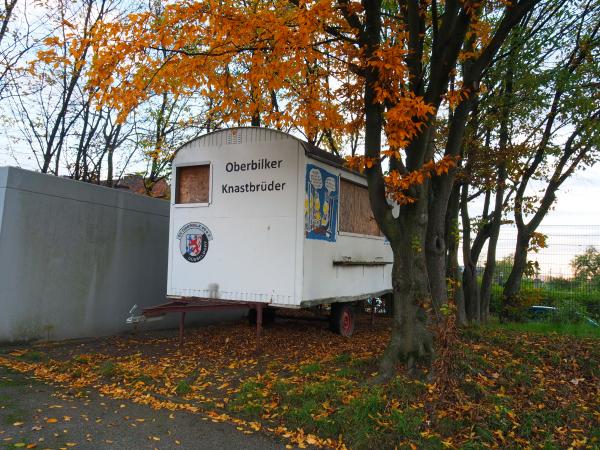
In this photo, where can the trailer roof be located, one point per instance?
(310, 150)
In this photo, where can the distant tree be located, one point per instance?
(586, 267)
(16, 39)
(564, 136)
(490, 156)
(503, 268)
(6, 63)
(53, 113)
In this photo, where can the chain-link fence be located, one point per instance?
(564, 275)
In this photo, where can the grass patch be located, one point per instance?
(249, 392)
(407, 423)
(362, 363)
(519, 374)
(251, 411)
(13, 416)
(250, 389)
(81, 359)
(32, 356)
(493, 369)
(358, 420)
(281, 388)
(249, 400)
(108, 369)
(406, 390)
(146, 379)
(343, 358)
(348, 372)
(568, 329)
(322, 391)
(448, 426)
(309, 369)
(183, 388)
(301, 415)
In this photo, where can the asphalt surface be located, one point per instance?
(37, 415)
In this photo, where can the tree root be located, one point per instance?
(422, 351)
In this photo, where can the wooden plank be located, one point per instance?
(356, 215)
(193, 184)
(361, 263)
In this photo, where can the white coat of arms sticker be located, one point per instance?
(193, 241)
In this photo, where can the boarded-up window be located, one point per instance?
(355, 210)
(193, 184)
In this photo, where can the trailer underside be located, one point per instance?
(194, 304)
(341, 317)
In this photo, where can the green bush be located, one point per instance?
(571, 292)
(569, 312)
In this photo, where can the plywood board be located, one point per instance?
(193, 184)
(356, 215)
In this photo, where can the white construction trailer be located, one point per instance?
(259, 217)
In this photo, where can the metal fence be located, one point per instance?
(551, 281)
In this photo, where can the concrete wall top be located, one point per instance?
(24, 180)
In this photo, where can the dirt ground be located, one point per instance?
(54, 398)
(308, 387)
(37, 415)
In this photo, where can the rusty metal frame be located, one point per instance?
(191, 304)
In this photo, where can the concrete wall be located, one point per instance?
(75, 257)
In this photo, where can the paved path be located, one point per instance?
(28, 410)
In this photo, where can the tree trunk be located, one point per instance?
(441, 189)
(494, 231)
(9, 6)
(110, 170)
(488, 273)
(496, 219)
(470, 285)
(435, 244)
(513, 283)
(452, 266)
(410, 340)
(487, 279)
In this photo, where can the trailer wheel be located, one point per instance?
(342, 319)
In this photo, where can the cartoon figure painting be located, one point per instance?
(320, 204)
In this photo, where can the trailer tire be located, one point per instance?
(268, 316)
(342, 319)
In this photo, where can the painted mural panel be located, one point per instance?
(320, 204)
